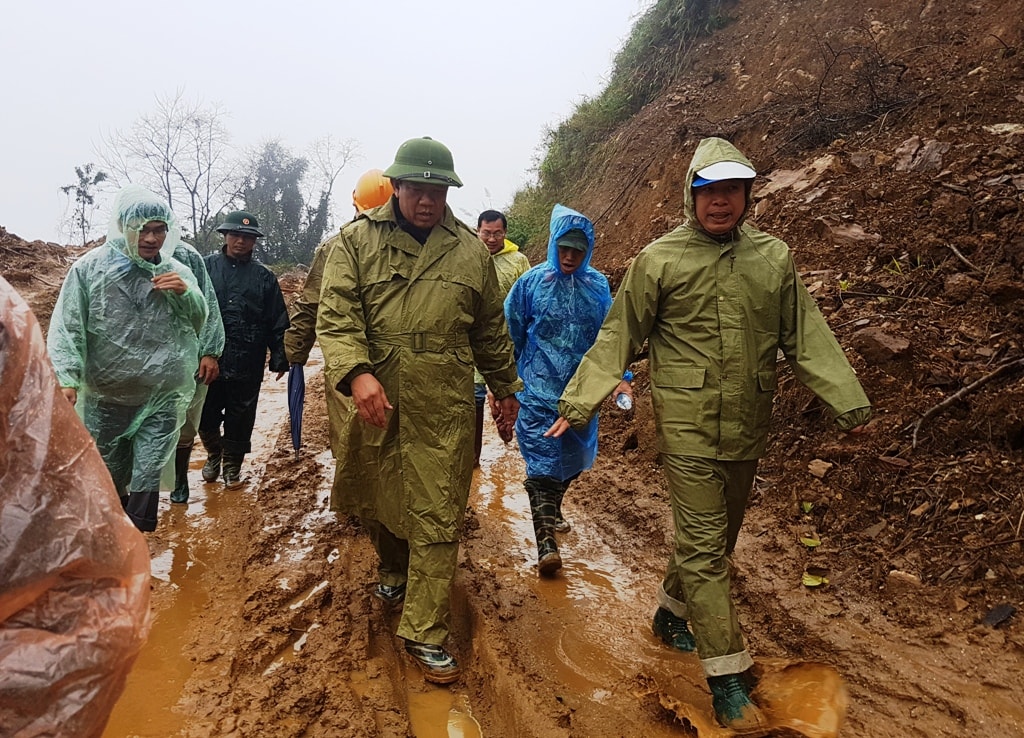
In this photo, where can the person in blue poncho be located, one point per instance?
(554, 312)
(124, 341)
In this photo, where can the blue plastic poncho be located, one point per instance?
(553, 318)
(131, 351)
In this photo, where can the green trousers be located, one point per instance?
(427, 570)
(708, 498)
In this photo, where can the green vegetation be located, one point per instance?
(647, 63)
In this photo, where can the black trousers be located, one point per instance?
(232, 402)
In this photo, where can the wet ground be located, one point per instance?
(264, 624)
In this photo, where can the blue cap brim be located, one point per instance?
(700, 182)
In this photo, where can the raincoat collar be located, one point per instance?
(508, 248)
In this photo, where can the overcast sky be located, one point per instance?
(483, 77)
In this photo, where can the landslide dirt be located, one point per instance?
(891, 144)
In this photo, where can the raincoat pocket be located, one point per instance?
(677, 396)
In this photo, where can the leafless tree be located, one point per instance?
(182, 151)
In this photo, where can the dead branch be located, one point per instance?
(963, 392)
(963, 258)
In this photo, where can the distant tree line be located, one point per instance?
(182, 151)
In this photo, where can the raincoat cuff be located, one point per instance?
(853, 418)
(345, 385)
(571, 413)
(504, 390)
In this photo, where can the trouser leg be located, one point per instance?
(480, 398)
(708, 499)
(110, 426)
(426, 613)
(392, 552)
(240, 415)
(153, 444)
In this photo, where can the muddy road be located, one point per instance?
(264, 622)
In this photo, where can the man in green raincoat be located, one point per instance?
(715, 299)
(409, 303)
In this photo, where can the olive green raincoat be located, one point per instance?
(715, 315)
(419, 317)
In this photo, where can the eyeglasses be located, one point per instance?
(153, 231)
(488, 235)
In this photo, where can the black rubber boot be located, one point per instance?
(181, 457)
(233, 470)
(213, 444)
(141, 508)
(730, 695)
(561, 524)
(478, 439)
(543, 509)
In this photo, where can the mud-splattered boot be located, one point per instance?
(233, 470)
(673, 631)
(213, 444)
(734, 709)
(561, 524)
(181, 457)
(543, 509)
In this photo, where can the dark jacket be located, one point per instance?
(255, 317)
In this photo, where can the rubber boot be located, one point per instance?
(561, 524)
(181, 457)
(478, 439)
(542, 508)
(730, 695)
(141, 508)
(233, 470)
(214, 449)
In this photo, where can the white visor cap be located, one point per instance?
(722, 170)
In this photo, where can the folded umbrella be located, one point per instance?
(296, 401)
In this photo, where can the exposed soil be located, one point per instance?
(892, 146)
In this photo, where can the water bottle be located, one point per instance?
(622, 400)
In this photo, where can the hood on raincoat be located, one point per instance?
(134, 206)
(563, 220)
(712, 151)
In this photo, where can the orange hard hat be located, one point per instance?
(372, 189)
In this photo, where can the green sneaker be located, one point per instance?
(733, 707)
(673, 631)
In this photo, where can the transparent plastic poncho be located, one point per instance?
(74, 572)
(553, 318)
(131, 351)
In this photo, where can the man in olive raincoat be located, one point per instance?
(372, 190)
(510, 263)
(554, 312)
(716, 299)
(409, 303)
(124, 341)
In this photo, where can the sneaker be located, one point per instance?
(673, 631)
(438, 666)
(733, 707)
(562, 525)
(389, 594)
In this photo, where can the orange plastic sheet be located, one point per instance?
(74, 571)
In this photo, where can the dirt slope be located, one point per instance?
(891, 145)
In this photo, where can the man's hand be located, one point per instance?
(70, 393)
(171, 281)
(209, 369)
(277, 377)
(555, 431)
(505, 418)
(370, 399)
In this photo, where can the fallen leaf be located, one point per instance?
(894, 461)
(921, 509)
(811, 541)
(819, 468)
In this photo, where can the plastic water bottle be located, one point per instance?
(622, 400)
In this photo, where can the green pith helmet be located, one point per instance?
(239, 221)
(424, 160)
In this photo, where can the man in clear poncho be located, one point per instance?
(554, 312)
(124, 341)
(716, 300)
